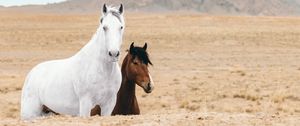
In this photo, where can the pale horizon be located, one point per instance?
(9, 3)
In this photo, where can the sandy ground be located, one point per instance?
(208, 70)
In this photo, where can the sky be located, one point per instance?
(26, 2)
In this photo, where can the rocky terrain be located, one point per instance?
(215, 7)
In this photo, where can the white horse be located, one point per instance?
(75, 85)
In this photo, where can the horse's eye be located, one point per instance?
(121, 27)
(105, 28)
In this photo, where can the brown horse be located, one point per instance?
(134, 71)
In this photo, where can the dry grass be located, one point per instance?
(208, 70)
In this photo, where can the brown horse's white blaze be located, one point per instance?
(151, 84)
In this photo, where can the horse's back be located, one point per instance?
(42, 71)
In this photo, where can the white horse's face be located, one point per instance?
(112, 24)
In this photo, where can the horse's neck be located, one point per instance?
(126, 100)
(126, 94)
(94, 48)
(94, 52)
(127, 89)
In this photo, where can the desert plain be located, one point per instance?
(208, 70)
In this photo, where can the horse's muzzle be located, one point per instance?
(114, 55)
(149, 88)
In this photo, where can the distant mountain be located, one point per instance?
(217, 7)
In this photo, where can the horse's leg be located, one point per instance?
(31, 108)
(86, 106)
(107, 108)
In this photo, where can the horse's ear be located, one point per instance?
(145, 46)
(104, 9)
(131, 46)
(121, 9)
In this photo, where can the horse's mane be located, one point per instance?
(112, 8)
(141, 54)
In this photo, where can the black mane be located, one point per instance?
(141, 54)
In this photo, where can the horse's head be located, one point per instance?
(112, 26)
(137, 67)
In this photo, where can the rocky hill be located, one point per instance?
(217, 7)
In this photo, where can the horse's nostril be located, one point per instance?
(149, 86)
(114, 53)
